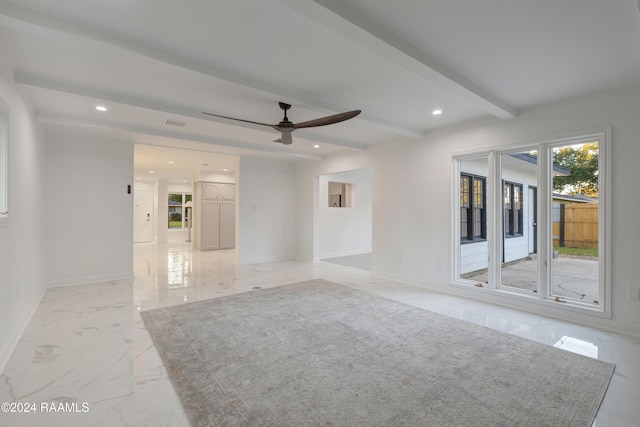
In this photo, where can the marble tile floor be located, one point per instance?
(86, 346)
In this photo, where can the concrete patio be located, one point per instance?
(572, 278)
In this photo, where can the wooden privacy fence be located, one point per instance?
(575, 225)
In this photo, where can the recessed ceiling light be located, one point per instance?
(101, 108)
(437, 112)
(138, 179)
(151, 172)
(225, 169)
(316, 146)
(185, 181)
(170, 163)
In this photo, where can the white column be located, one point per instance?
(162, 217)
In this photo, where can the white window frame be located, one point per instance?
(545, 223)
(4, 165)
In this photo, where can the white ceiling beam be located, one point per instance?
(338, 17)
(18, 16)
(66, 121)
(29, 79)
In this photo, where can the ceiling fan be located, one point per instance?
(285, 127)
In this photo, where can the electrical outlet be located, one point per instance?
(634, 294)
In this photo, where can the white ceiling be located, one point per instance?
(153, 60)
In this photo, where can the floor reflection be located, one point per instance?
(578, 346)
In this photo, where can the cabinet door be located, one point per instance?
(210, 224)
(210, 191)
(227, 191)
(227, 225)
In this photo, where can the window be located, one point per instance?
(512, 209)
(526, 249)
(576, 228)
(472, 208)
(177, 211)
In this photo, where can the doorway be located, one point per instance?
(344, 226)
(165, 177)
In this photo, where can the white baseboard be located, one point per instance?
(344, 253)
(17, 330)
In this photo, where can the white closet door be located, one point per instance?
(210, 225)
(227, 225)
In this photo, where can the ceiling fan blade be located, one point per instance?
(239, 120)
(286, 138)
(285, 127)
(329, 120)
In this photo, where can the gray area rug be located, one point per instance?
(318, 353)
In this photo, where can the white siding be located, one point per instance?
(473, 257)
(516, 248)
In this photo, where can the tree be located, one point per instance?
(582, 161)
(177, 198)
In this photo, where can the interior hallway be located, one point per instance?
(87, 343)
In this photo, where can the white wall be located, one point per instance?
(21, 238)
(266, 210)
(180, 187)
(213, 176)
(308, 198)
(412, 221)
(161, 210)
(89, 215)
(345, 231)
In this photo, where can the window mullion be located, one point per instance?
(494, 219)
(545, 221)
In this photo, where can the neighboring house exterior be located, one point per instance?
(175, 208)
(519, 190)
(572, 198)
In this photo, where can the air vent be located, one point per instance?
(175, 123)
